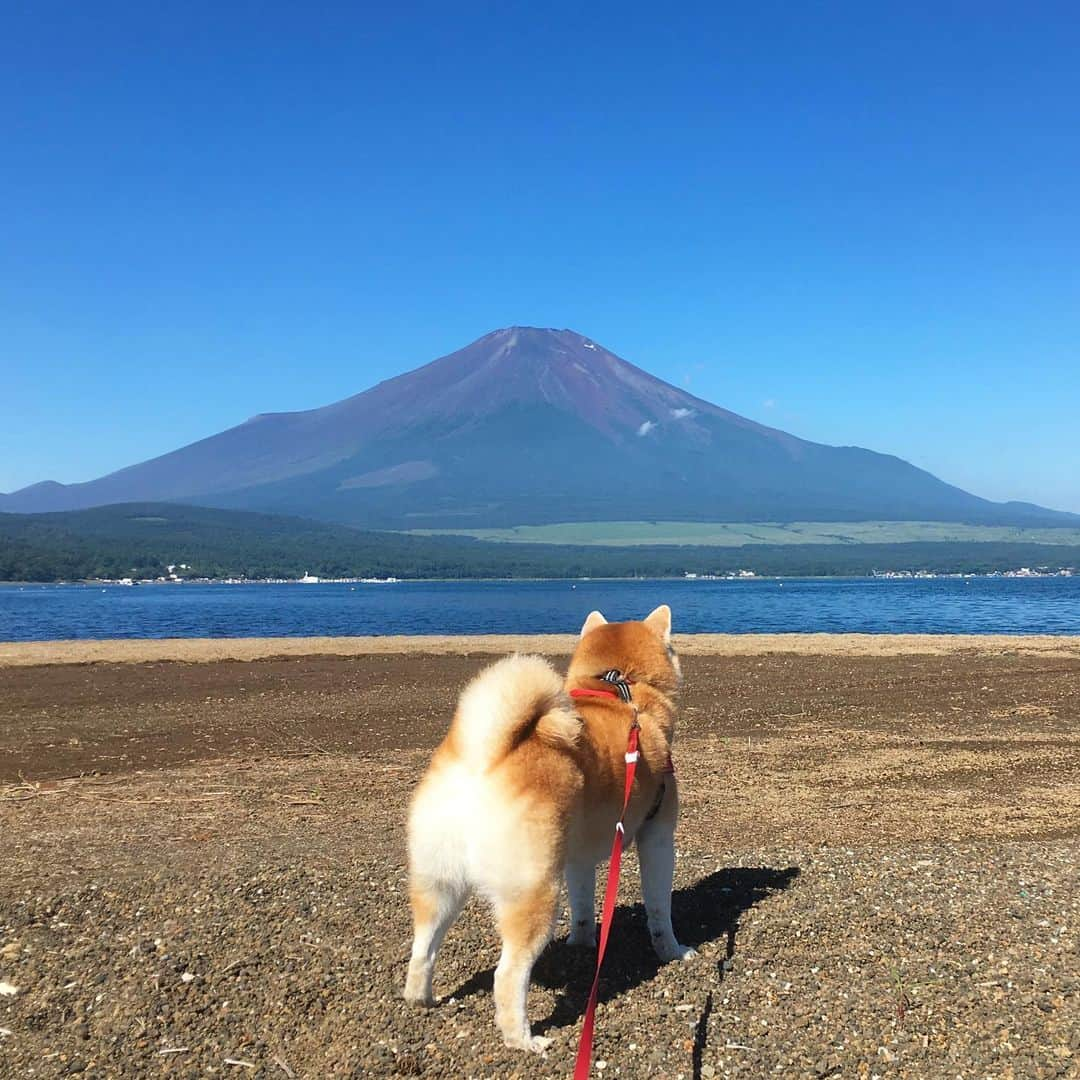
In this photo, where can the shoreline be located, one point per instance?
(1017, 573)
(213, 650)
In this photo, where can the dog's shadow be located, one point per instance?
(708, 910)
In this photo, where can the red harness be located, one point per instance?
(584, 1057)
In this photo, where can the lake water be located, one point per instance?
(856, 605)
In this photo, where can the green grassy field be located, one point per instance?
(736, 534)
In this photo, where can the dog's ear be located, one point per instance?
(659, 622)
(594, 620)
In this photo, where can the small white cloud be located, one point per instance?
(769, 403)
(646, 427)
(680, 413)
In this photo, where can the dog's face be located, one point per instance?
(642, 651)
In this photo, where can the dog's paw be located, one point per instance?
(533, 1044)
(582, 936)
(670, 951)
(419, 997)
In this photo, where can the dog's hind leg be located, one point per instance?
(435, 906)
(525, 923)
(581, 892)
(656, 855)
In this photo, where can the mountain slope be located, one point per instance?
(528, 426)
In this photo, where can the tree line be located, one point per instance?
(141, 540)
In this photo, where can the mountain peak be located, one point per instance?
(532, 337)
(543, 331)
(530, 366)
(516, 338)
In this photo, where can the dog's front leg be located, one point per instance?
(656, 855)
(581, 892)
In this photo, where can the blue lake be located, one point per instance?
(857, 605)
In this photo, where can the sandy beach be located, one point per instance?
(205, 650)
(204, 872)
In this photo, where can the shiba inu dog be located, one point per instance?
(525, 790)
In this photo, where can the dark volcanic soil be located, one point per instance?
(203, 875)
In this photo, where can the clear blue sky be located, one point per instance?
(858, 222)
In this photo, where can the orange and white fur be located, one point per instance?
(526, 789)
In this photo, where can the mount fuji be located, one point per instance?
(530, 426)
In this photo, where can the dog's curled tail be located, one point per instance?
(510, 701)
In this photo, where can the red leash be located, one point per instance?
(584, 1057)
